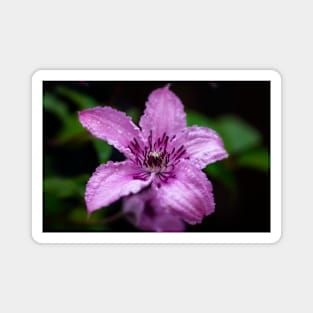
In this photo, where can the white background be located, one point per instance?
(162, 34)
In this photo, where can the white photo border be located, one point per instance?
(149, 237)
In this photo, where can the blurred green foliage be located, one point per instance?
(54, 105)
(62, 192)
(65, 187)
(81, 100)
(64, 196)
(256, 158)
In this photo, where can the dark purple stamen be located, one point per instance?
(154, 158)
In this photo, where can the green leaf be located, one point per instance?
(52, 204)
(257, 159)
(103, 149)
(221, 172)
(62, 187)
(54, 105)
(237, 134)
(134, 114)
(195, 118)
(79, 216)
(83, 101)
(72, 130)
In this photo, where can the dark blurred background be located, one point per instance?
(238, 111)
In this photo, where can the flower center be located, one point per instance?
(154, 161)
(156, 157)
(155, 154)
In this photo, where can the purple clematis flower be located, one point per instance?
(164, 159)
(144, 211)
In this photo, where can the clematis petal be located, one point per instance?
(204, 146)
(111, 125)
(164, 113)
(111, 181)
(188, 195)
(144, 212)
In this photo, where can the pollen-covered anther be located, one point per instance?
(154, 161)
(154, 154)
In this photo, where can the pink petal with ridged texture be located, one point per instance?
(112, 181)
(189, 195)
(164, 113)
(203, 145)
(111, 125)
(144, 212)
